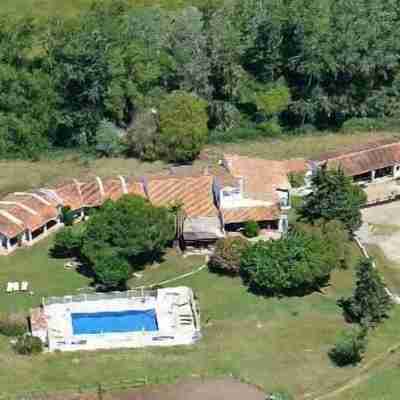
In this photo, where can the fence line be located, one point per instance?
(137, 292)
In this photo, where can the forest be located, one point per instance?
(158, 83)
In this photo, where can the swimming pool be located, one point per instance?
(112, 322)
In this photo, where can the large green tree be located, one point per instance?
(294, 264)
(334, 197)
(129, 231)
(183, 126)
(370, 303)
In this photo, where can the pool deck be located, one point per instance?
(176, 312)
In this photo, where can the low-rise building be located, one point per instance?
(198, 219)
(253, 189)
(365, 163)
(374, 165)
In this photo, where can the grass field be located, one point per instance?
(275, 343)
(260, 340)
(46, 8)
(21, 175)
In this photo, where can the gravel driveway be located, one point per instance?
(382, 227)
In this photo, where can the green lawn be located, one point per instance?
(276, 343)
(47, 277)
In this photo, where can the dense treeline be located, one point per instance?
(157, 83)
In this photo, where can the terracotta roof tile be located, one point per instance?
(9, 228)
(347, 150)
(296, 165)
(91, 194)
(136, 188)
(243, 214)
(194, 193)
(113, 188)
(376, 155)
(70, 194)
(261, 177)
(45, 211)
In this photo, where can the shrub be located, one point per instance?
(350, 347)
(370, 124)
(109, 139)
(270, 128)
(13, 324)
(251, 229)
(227, 255)
(67, 216)
(335, 238)
(27, 345)
(67, 242)
(279, 396)
(294, 264)
(296, 179)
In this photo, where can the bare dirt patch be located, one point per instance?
(382, 228)
(210, 389)
(219, 389)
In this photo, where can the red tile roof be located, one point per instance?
(365, 158)
(194, 193)
(10, 228)
(92, 195)
(42, 209)
(113, 188)
(261, 177)
(135, 187)
(70, 194)
(243, 214)
(296, 165)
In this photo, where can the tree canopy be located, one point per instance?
(370, 303)
(294, 264)
(334, 197)
(123, 235)
(249, 64)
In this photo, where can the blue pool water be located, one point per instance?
(108, 322)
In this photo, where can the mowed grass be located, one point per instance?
(46, 276)
(275, 343)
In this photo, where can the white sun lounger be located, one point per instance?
(24, 286)
(10, 287)
(16, 286)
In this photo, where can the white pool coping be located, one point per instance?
(176, 312)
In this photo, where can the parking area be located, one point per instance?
(382, 227)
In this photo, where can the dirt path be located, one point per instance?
(196, 389)
(216, 389)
